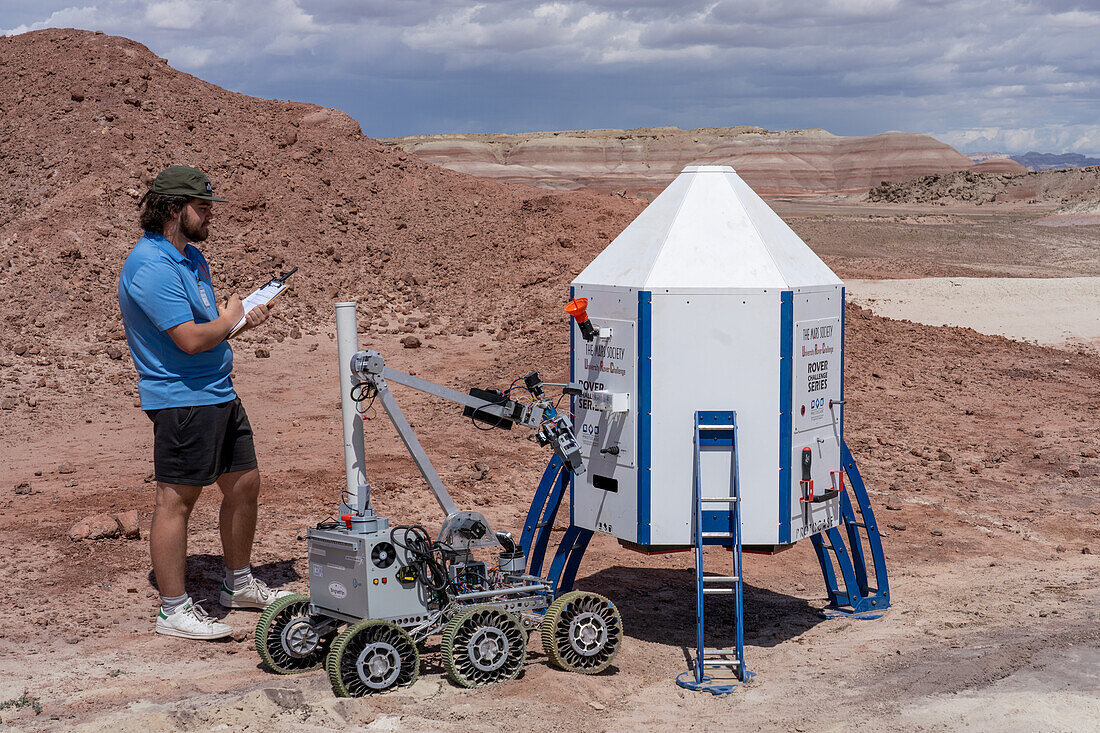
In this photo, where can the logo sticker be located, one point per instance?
(337, 590)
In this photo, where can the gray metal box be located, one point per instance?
(353, 576)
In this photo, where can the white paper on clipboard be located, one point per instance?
(264, 295)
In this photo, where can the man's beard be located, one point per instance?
(194, 232)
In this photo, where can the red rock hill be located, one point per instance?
(87, 120)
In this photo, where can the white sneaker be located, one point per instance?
(254, 595)
(191, 622)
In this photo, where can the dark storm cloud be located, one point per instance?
(976, 73)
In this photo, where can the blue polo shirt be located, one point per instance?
(159, 288)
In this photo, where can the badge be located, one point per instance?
(202, 294)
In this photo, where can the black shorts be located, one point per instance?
(195, 445)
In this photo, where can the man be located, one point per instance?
(177, 336)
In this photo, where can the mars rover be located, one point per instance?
(377, 592)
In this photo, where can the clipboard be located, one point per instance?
(262, 295)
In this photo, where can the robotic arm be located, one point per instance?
(491, 407)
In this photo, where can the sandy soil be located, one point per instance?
(1061, 312)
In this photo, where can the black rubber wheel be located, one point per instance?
(482, 645)
(370, 657)
(287, 638)
(582, 632)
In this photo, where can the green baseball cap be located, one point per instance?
(182, 180)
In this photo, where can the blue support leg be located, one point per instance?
(540, 518)
(857, 599)
(539, 524)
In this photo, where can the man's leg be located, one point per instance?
(168, 535)
(237, 520)
(178, 616)
(240, 492)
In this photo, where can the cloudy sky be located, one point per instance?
(983, 75)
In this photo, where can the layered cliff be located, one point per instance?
(643, 161)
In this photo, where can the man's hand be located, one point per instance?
(256, 316)
(233, 310)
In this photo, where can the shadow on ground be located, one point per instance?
(658, 605)
(205, 574)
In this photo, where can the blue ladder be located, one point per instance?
(717, 430)
(857, 599)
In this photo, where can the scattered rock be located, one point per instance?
(66, 467)
(894, 507)
(481, 471)
(898, 527)
(98, 527)
(8, 403)
(286, 698)
(114, 352)
(411, 342)
(1088, 453)
(262, 353)
(129, 524)
(1073, 472)
(1086, 551)
(24, 488)
(937, 532)
(286, 137)
(243, 634)
(1060, 548)
(76, 94)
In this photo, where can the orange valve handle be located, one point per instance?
(578, 308)
(808, 488)
(346, 519)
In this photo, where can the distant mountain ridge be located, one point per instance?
(1034, 161)
(1049, 161)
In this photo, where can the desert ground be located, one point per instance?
(980, 451)
(980, 454)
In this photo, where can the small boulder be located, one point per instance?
(129, 524)
(481, 471)
(114, 352)
(76, 94)
(66, 467)
(410, 342)
(262, 353)
(98, 527)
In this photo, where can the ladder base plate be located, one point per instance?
(714, 687)
(856, 615)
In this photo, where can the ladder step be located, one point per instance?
(723, 591)
(707, 652)
(703, 428)
(717, 535)
(719, 499)
(719, 578)
(721, 663)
